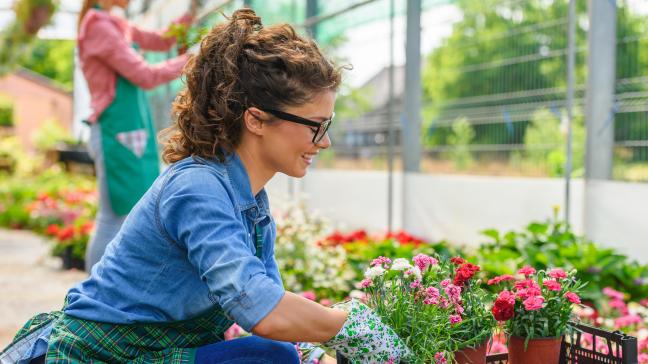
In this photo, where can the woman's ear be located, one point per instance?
(253, 120)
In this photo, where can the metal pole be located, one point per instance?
(390, 127)
(600, 89)
(411, 141)
(571, 61)
(311, 12)
(599, 107)
(412, 128)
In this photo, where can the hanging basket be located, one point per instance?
(40, 16)
(34, 14)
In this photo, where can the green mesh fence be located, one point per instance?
(494, 87)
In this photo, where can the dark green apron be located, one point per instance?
(128, 143)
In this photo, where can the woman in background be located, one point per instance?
(122, 135)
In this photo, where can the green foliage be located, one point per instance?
(49, 134)
(53, 59)
(462, 135)
(6, 112)
(10, 153)
(16, 39)
(186, 36)
(14, 43)
(352, 103)
(545, 143)
(551, 244)
(505, 48)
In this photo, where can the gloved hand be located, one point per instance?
(364, 338)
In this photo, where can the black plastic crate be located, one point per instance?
(621, 348)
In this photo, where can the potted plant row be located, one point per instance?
(444, 315)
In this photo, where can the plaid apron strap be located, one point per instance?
(26, 337)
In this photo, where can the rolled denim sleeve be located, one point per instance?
(197, 211)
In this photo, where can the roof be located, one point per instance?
(41, 80)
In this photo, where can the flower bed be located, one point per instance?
(54, 204)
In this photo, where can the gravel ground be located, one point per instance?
(31, 281)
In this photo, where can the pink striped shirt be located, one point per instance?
(105, 51)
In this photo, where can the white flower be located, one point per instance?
(414, 272)
(374, 272)
(401, 264)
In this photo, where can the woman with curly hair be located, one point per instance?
(196, 254)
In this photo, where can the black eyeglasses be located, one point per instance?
(322, 127)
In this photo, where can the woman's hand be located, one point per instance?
(364, 338)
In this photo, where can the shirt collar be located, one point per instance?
(256, 207)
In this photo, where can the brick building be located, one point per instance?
(36, 99)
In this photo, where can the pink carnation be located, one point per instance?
(627, 320)
(309, 295)
(498, 279)
(325, 302)
(384, 261)
(423, 261)
(527, 270)
(416, 284)
(643, 358)
(439, 358)
(613, 294)
(453, 292)
(367, 282)
(444, 302)
(572, 297)
(233, 332)
(533, 303)
(619, 305)
(557, 273)
(455, 319)
(552, 285)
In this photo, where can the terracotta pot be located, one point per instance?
(472, 355)
(539, 351)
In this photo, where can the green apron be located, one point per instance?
(74, 340)
(128, 143)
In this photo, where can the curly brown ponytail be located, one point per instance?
(242, 64)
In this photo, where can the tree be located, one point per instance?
(53, 59)
(506, 59)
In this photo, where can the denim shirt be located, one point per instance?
(187, 245)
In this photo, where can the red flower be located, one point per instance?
(66, 233)
(457, 260)
(52, 230)
(86, 228)
(504, 307)
(464, 273)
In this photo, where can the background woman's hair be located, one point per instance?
(87, 4)
(242, 64)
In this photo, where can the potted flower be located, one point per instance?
(434, 305)
(535, 308)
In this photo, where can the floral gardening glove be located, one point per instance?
(364, 338)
